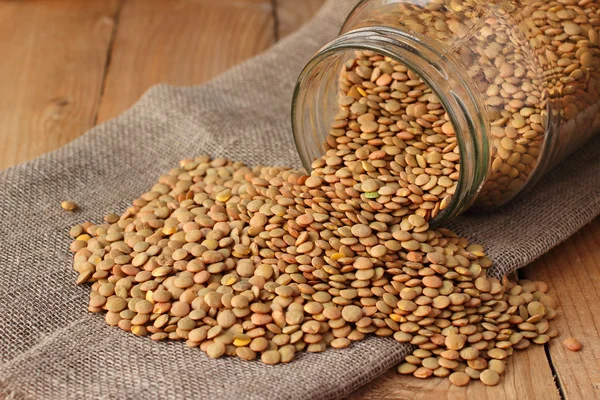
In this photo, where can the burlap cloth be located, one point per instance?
(52, 348)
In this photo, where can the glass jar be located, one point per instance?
(519, 81)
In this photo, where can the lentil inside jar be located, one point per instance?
(522, 76)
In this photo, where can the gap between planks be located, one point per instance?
(111, 44)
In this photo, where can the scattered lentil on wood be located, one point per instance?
(572, 344)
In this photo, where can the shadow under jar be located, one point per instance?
(519, 82)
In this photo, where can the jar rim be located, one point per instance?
(439, 71)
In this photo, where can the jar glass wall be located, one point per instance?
(519, 81)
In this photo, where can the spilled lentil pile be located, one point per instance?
(266, 262)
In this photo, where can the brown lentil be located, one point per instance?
(68, 205)
(459, 378)
(572, 344)
(489, 377)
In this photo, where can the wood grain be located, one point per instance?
(291, 14)
(53, 59)
(181, 42)
(572, 271)
(524, 368)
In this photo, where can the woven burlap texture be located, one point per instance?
(52, 348)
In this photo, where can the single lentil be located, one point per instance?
(68, 205)
(572, 344)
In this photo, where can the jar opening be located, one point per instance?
(316, 95)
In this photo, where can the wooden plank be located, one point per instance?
(291, 14)
(572, 271)
(524, 368)
(53, 59)
(181, 42)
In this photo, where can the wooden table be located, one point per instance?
(70, 64)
